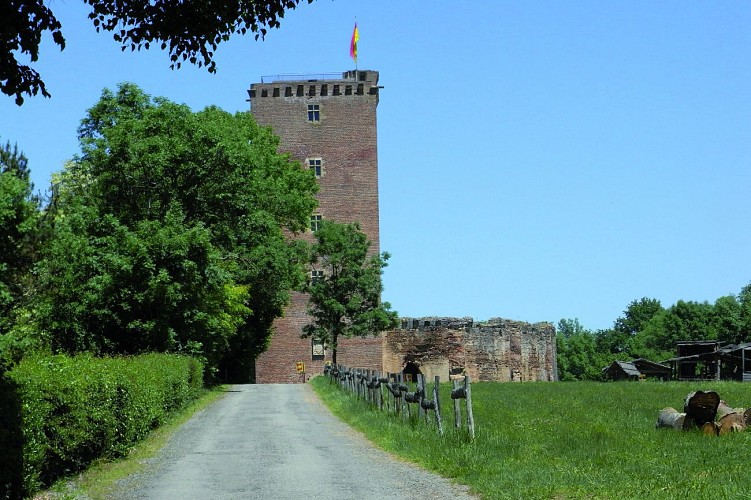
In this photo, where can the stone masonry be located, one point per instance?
(495, 350)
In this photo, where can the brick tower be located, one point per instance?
(328, 124)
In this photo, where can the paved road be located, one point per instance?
(277, 442)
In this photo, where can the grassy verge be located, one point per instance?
(568, 440)
(98, 481)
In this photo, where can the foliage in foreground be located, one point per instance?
(190, 31)
(169, 233)
(575, 440)
(61, 413)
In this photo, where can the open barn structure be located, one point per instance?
(711, 360)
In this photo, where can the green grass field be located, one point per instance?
(568, 440)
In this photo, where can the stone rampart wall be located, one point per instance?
(495, 350)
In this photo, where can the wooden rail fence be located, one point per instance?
(390, 393)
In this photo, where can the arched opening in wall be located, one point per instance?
(410, 372)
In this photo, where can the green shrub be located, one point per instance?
(73, 410)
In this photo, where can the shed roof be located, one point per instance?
(626, 367)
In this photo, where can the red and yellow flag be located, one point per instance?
(353, 44)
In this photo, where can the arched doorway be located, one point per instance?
(410, 372)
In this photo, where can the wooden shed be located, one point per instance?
(622, 370)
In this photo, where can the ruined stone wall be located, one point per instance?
(496, 350)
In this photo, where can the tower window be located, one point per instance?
(336, 89)
(314, 113)
(315, 165)
(315, 222)
(287, 91)
(316, 277)
(324, 89)
(348, 90)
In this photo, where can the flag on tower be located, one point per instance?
(353, 44)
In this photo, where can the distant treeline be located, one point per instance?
(649, 330)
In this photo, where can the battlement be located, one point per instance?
(433, 322)
(354, 82)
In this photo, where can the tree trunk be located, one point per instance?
(333, 349)
(732, 422)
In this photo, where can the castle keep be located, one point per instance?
(328, 123)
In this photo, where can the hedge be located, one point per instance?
(59, 413)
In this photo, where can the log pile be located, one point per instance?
(705, 411)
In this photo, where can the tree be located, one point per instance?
(685, 320)
(576, 352)
(636, 315)
(634, 319)
(18, 217)
(159, 286)
(345, 301)
(570, 327)
(175, 222)
(190, 31)
(727, 312)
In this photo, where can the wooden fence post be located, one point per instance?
(398, 399)
(437, 404)
(369, 385)
(420, 395)
(470, 415)
(379, 390)
(457, 407)
(402, 393)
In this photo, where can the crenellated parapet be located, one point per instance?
(350, 83)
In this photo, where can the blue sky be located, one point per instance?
(538, 160)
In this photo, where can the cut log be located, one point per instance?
(701, 407)
(710, 429)
(732, 422)
(669, 418)
(723, 409)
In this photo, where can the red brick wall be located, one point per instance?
(362, 352)
(345, 140)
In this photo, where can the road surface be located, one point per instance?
(277, 442)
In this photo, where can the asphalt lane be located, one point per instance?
(277, 442)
